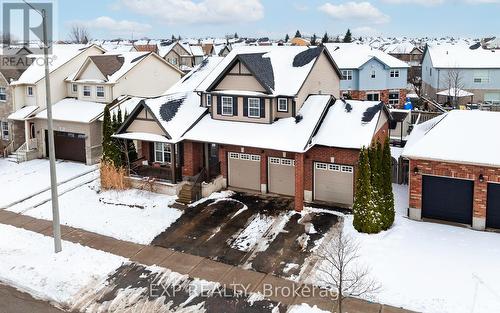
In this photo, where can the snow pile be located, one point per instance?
(252, 233)
(455, 139)
(305, 308)
(30, 264)
(131, 215)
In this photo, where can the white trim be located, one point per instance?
(208, 100)
(97, 92)
(6, 124)
(4, 94)
(347, 76)
(394, 74)
(286, 105)
(234, 155)
(165, 149)
(90, 91)
(28, 88)
(73, 88)
(254, 108)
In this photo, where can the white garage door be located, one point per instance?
(334, 183)
(282, 176)
(244, 170)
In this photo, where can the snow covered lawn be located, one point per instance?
(131, 215)
(29, 264)
(21, 180)
(430, 267)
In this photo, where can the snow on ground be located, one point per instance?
(432, 268)
(131, 215)
(21, 180)
(29, 264)
(305, 308)
(252, 233)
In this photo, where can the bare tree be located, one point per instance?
(454, 81)
(79, 34)
(340, 271)
(415, 79)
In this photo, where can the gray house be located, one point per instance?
(370, 74)
(469, 73)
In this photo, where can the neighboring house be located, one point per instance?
(370, 74)
(297, 41)
(405, 51)
(470, 72)
(146, 48)
(270, 123)
(454, 173)
(28, 93)
(183, 56)
(222, 50)
(100, 80)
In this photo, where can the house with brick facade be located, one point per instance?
(370, 74)
(272, 122)
(455, 169)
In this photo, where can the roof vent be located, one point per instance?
(298, 118)
(475, 46)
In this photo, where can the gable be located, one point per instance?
(144, 122)
(90, 72)
(239, 78)
(179, 49)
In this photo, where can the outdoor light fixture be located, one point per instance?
(481, 178)
(415, 170)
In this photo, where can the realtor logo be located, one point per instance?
(22, 25)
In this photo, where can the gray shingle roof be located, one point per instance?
(260, 67)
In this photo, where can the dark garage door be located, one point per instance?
(493, 207)
(447, 199)
(69, 146)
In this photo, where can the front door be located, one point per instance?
(213, 160)
(32, 130)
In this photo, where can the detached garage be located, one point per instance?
(454, 171)
(244, 171)
(333, 183)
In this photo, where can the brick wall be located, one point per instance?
(453, 170)
(193, 158)
(384, 95)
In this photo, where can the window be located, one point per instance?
(481, 76)
(282, 105)
(346, 95)
(287, 162)
(227, 106)
(174, 61)
(234, 155)
(430, 71)
(372, 75)
(86, 91)
(244, 156)
(74, 88)
(29, 90)
(346, 74)
(209, 100)
(347, 169)
(334, 167)
(253, 107)
(100, 91)
(393, 97)
(256, 158)
(274, 160)
(373, 96)
(394, 73)
(3, 95)
(321, 166)
(163, 153)
(5, 131)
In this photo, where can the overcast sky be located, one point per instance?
(274, 18)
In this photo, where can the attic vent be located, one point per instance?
(306, 56)
(347, 105)
(298, 118)
(371, 112)
(475, 46)
(169, 109)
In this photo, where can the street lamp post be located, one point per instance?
(50, 130)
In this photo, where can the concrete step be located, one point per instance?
(12, 158)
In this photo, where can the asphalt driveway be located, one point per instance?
(254, 232)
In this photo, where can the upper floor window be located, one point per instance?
(29, 90)
(373, 74)
(283, 105)
(163, 152)
(481, 76)
(3, 95)
(74, 88)
(209, 100)
(253, 107)
(227, 106)
(394, 73)
(174, 61)
(394, 98)
(100, 91)
(86, 91)
(5, 130)
(346, 74)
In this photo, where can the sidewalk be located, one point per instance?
(194, 266)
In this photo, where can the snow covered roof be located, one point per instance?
(286, 134)
(280, 69)
(73, 110)
(353, 55)
(399, 48)
(452, 92)
(349, 124)
(462, 56)
(459, 136)
(191, 80)
(142, 136)
(61, 54)
(23, 113)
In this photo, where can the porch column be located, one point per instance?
(299, 182)
(27, 133)
(172, 162)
